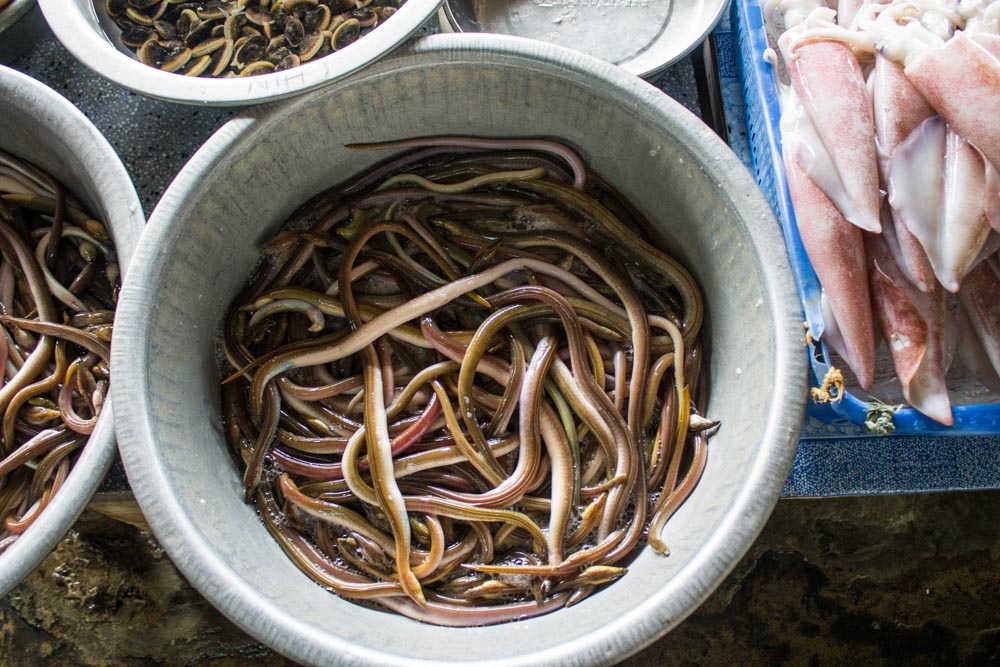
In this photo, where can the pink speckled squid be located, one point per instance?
(836, 251)
(839, 155)
(912, 323)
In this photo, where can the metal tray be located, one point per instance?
(642, 36)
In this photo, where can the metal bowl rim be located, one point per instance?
(94, 49)
(31, 548)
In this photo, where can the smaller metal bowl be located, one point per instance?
(85, 30)
(21, 23)
(640, 36)
(43, 127)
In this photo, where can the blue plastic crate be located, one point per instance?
(760, 97)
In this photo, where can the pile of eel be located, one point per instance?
(59, 281)
(463, 387)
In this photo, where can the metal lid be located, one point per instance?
(642, 36)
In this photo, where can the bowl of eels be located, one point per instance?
(488, 354)
(231, 52)
(69, 219)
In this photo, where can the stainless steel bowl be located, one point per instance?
(41, 126)
(21, 23)
(203, 240)
(85, 30)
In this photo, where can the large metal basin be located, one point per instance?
(43, 127)
(202, 241)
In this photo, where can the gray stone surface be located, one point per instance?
(894, 580)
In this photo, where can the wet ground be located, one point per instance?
(896, 580)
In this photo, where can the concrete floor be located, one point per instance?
(896, 580)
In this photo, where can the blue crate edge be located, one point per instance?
(760, 98)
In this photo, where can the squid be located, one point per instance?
(972, 353)
(937, 186)
(980, 297)
(913, 325)
(847, 10)
(990, 42)
(838, 152)
(889, 125)
(993, 196)
(836, 251)
(898, 110)
(950, 55)
(961, 80)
